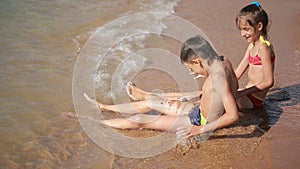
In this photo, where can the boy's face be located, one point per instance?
(196, 68)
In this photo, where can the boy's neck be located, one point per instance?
(215, 67)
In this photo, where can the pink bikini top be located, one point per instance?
(256, 60)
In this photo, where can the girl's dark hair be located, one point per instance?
(197, 47)
(254, 14)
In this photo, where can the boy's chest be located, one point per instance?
(207, 86)
(209, 91)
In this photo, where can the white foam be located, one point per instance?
(117, 64)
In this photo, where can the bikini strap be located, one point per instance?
(262, 39)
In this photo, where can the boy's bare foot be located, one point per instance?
(135, 93)
(94, 102)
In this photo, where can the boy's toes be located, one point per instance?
(129, 90)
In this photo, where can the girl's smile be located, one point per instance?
(247, 31)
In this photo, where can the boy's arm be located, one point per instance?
(230, 115)
(190, 95)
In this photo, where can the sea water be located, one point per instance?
(40, 42)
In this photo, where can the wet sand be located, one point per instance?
(250, 143)
(39, 136)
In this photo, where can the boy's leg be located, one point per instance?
(170, 107)
(136, 93)
(128, 108)
(163, 123)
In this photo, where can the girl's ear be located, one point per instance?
(260, 26)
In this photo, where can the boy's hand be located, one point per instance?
(190, 97)
(188, 132)
(194, 130)
(185, 98)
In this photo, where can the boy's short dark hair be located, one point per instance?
(197, 47)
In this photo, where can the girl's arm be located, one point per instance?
(267, 68)
(240, 70)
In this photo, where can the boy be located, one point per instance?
(216, 107)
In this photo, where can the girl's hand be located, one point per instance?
(239, 93)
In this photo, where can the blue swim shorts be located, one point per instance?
(196, 117)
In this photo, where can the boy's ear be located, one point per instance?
(196, 61)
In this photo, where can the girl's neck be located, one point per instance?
(255, 42)
(261, 39)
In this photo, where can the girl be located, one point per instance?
(252, 21)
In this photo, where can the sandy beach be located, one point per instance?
(42, 40)
(243, 146)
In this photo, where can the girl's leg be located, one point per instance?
(163, 123)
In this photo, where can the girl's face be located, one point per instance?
(247, 31)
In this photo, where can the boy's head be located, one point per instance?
(197, 47)
(194, 51)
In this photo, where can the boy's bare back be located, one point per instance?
(215, 87)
